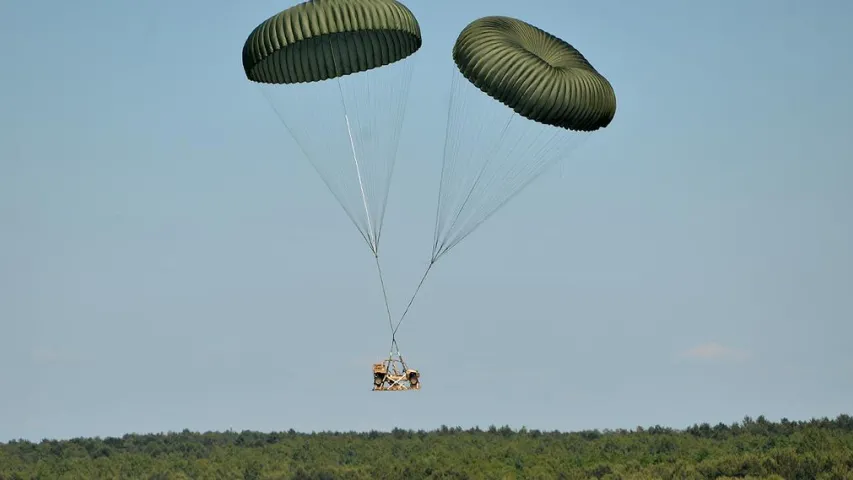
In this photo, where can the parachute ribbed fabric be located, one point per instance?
(538, 75)
(325, 39)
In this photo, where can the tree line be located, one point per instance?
(819, 449)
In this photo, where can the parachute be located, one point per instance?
(521, 98)
(336, 74)
(337, 58)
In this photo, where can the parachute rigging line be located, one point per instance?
(314, 165)
(367, 40)
(488, 161)
(372, 240)
(374, 105)
(409, 305)
(394, 94)
(512, 154)
(439, 250)
(385, 296)
(374, 237)
(373, 246)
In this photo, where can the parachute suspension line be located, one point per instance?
(532, 175)
(372, 235)
(495, 162)
(463, 233)
(395, 135)
(385, 295)
(486, 163)
(371, 238)
(438, 253)
(373, 242)
(310, 159)
(454, 80)
(460, 157)
(451, 143)
(409, 305)
(450, 181)
(541, 158)
(443, 166)
(402, 97)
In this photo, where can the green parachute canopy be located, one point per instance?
(538, 75)
(337, 73)
(325, 39)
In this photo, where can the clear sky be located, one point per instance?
(168, 260)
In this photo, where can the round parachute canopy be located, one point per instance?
(538, 75)
(324, 39)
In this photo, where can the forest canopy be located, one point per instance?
(752, 448)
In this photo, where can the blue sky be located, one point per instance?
(169, 261)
